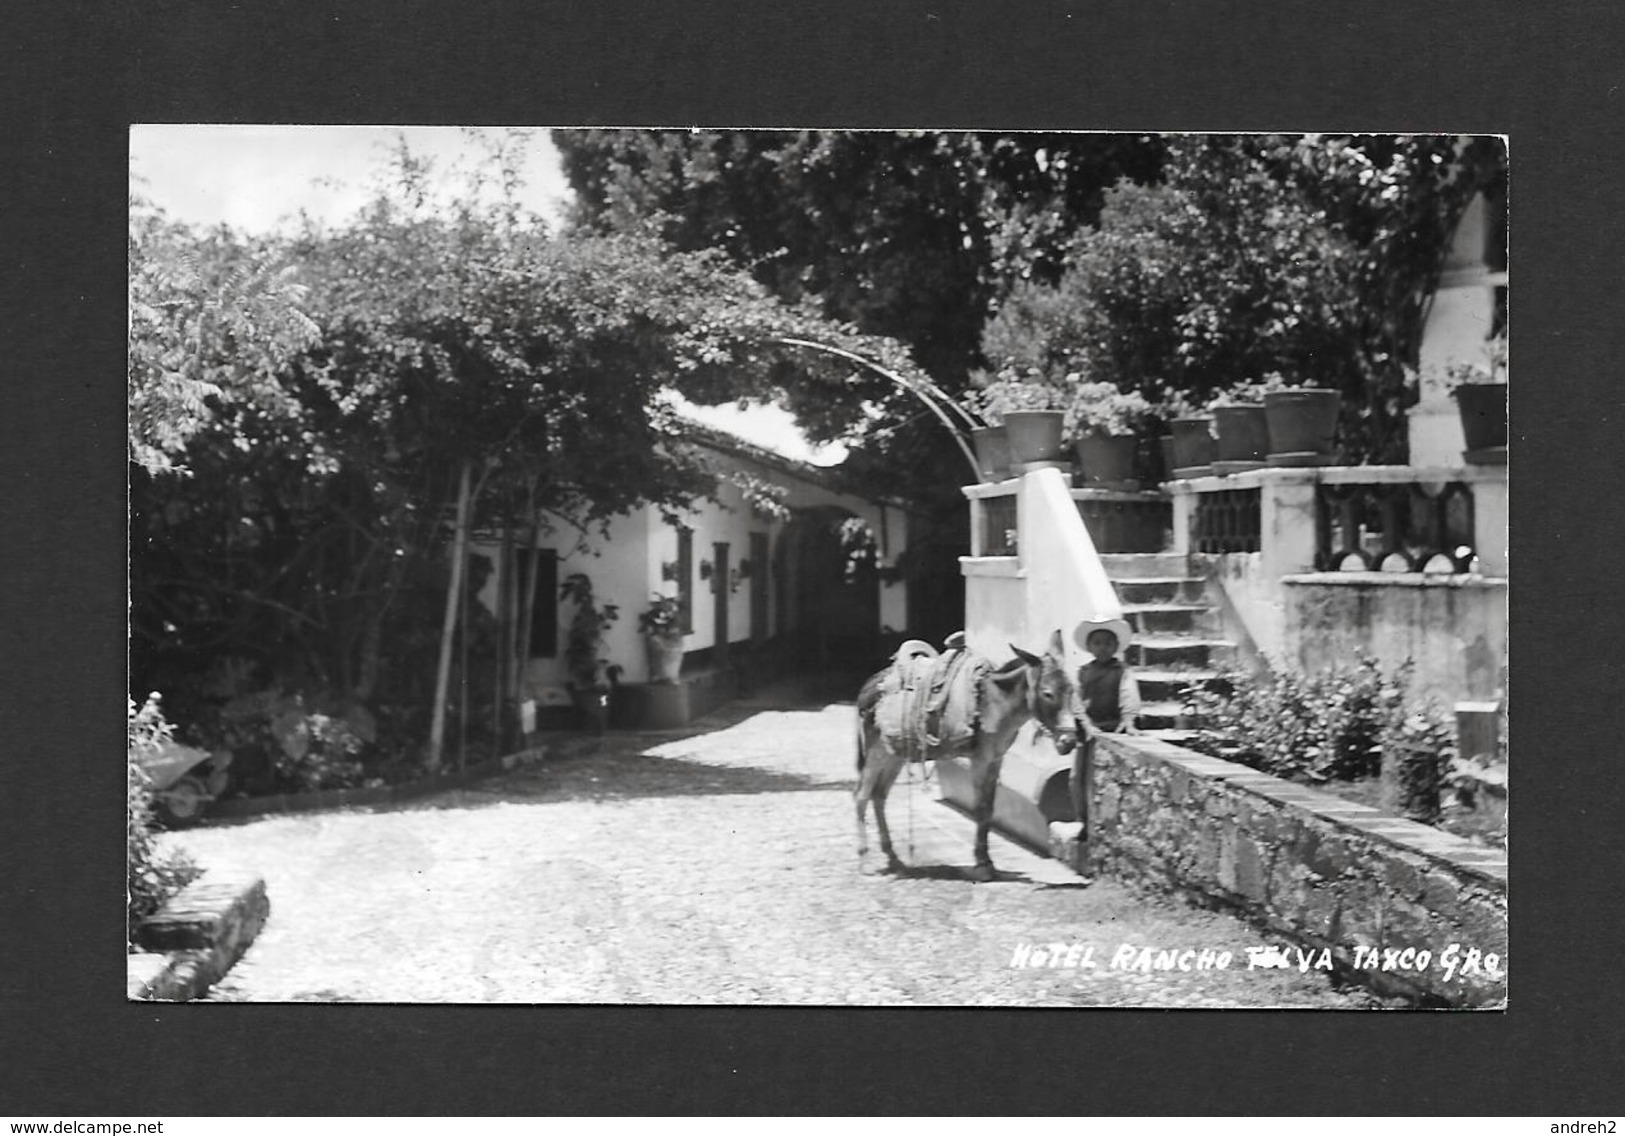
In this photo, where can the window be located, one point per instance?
(544, 610)
(685, 576)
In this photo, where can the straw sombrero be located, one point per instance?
(1117, 625)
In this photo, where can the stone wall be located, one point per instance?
(1452, 628)
(1397, 906)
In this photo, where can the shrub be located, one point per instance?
(1419, 750)
(1329, 726)
(583, 659)
(663, 617)
(154, 874)
(1100, 408)
(300, 749)
(1010, 391)
(1251, 392)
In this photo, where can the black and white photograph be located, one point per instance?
(818, 567)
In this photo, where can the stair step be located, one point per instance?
(1171, 650)
(1159, 589)
(1170, 685)
(1172, 619)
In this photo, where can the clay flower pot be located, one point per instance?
(1302, 425)
(1035, 435)
(1194, 446)
(665, 657)
(1242, 437)
(1106, 460)
(1483, 410)
(992, 452)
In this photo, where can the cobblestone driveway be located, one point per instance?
(698, 867)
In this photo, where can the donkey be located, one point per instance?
(988, 705)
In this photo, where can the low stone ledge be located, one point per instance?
(1403, 908)
(192, 941)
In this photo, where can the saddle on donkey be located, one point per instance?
(929, 701)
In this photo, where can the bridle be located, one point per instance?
(1064, 738)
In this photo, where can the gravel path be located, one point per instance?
(707, 866)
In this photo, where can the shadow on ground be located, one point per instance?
(621, 766)
(955, 872)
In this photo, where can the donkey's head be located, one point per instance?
(1048, 690)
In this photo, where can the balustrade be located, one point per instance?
(1125, 521)
(1410, 526)
(1227, 520)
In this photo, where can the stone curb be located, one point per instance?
(238, 808)
(195, 938)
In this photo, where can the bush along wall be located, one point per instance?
(154, 874)
(1354, 730)
(1384, 902)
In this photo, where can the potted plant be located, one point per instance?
(591, 677)
(1032, 413)
(1481, 401)
(1302, 423)
(1104, 422)
(1241, 431)
(1190, 437)
(992, 448)
(662, 626)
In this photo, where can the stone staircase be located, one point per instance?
(1178, 638)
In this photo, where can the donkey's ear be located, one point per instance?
(1057, 645)
(1030, 660)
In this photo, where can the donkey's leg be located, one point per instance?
(879, 769)
(868, 758)
(884, 780)
(985, 782)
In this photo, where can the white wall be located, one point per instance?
(1459, 321)
(1056, 581)
(625, 567)
(1453, 629)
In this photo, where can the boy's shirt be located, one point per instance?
(1108, 693)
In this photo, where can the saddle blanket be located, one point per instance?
(929, 703)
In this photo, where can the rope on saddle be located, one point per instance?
(929, 701)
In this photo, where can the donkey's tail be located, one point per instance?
(868, 698)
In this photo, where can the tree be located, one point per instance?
(915, 236)
(209, 316)
(1308, 256)
(476, 349)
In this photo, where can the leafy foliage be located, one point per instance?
(283, 744)
(859, 546)
(912, 235)
(1333, 725)
(1100, 408)
(305, 565)
(1418, 751)
(663, 617)
(153, 874)
(765, 498)
(584, 644)
(1309, 256)
(209, 316)
(995, 397)
(1251, 392)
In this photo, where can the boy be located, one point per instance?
(1108, 697)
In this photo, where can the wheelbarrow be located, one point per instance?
(184, 780)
